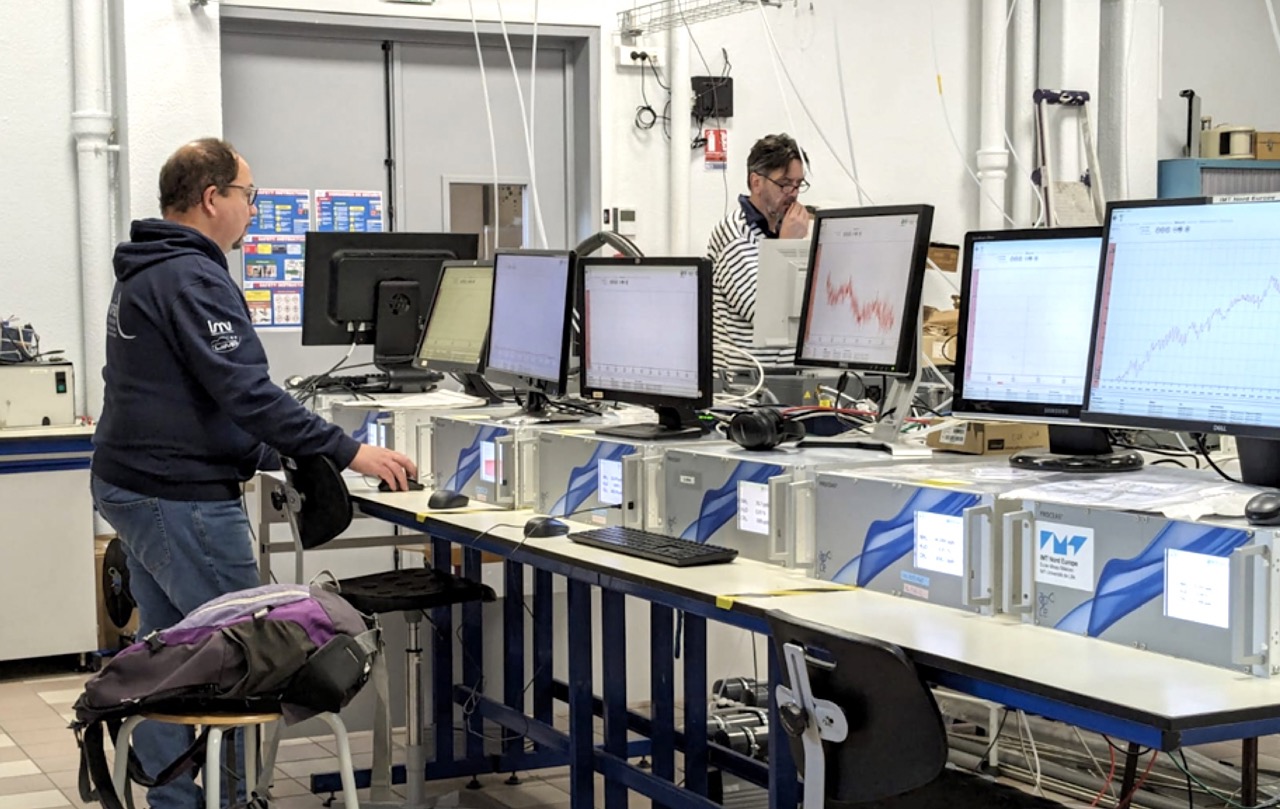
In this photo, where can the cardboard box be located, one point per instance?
(110, 636)
(988, 437)
(1266, 145)
(946, 256)
(941, 350)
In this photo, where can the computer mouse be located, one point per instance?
(414, 486)
(1263, 509)
(447, 498)
(542, 527)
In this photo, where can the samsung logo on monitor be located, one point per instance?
(1056, 411)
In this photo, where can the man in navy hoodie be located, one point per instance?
(190, 412)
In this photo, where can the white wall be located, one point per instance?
(1224, 51)
(39, 255)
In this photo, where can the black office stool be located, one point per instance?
(316, 501)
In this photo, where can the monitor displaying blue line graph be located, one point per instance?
(1187, 317)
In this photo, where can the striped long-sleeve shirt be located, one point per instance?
(734, 251)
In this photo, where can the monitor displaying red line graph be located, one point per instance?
(1188, 309)
(863, 289)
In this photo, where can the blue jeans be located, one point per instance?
(180, 554)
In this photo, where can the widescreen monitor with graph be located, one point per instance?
(1186, 317)
(1026, 317)
(862, 295)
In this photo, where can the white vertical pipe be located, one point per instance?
(993, 159)
(91, 125)
(1022, 127)
(1128, 124)
(679, 154)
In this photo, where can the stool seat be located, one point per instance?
(417, 588)
(214, 719)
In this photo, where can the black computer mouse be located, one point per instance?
(414, 486)
(542, 527)
(447, 498)
(1263, 509)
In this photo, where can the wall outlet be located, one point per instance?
(656, 55)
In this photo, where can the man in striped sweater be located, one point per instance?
(775, 177)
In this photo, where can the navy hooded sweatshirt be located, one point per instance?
(190, 410)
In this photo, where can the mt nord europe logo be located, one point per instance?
(1064, 555)
(1062, 545)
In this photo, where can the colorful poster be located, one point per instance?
(282, 212)
(273, 273)
(349, 211)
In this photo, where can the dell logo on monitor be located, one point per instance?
(1055, 411)
(1219, 428)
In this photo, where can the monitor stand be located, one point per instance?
(1259, 461)
(1078, 448)
(679, 421)
(476, 385)
(886, 434)
(535, 410)
(405, 378)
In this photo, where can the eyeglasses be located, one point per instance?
(250, 191)
(798, 187)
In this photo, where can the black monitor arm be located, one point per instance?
(608, 237)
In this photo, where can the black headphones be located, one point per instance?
(763, 428)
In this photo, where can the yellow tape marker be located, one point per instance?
(726, 602)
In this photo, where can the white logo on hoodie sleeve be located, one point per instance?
(114, 329)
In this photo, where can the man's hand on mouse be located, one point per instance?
(795, 222)
(387, 465)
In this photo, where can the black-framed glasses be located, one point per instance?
(798, 187)
(250, 191)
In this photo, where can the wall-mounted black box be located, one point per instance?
(712, 97)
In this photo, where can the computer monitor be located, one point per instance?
(646, 336)
(1187, 305)
(780, 283)
(367, 288)
(530, 323)
(1022, 349)
(862, 292)
(457, 327)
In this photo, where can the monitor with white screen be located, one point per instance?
(647, 340)
(862, 293)
(458, 321)
(1022, 348)
(780, 279)
(530, 323)
(1188, 303)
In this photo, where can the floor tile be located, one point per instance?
(65, 696)
(65, 779)
(27, 736)
(9, 769)
(19, 784)
(5, 741)
(45, 799)
(12, 754)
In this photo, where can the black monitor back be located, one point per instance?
(343, 272)
(896, 740)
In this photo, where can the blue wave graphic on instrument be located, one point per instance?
(469, 457)
(721, 505)
(584, 481)
(1127, 584)
(889, 540)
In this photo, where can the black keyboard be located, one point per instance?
(654, 547)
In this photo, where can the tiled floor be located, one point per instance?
(39, 758)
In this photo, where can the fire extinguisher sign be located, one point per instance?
(717, 151)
